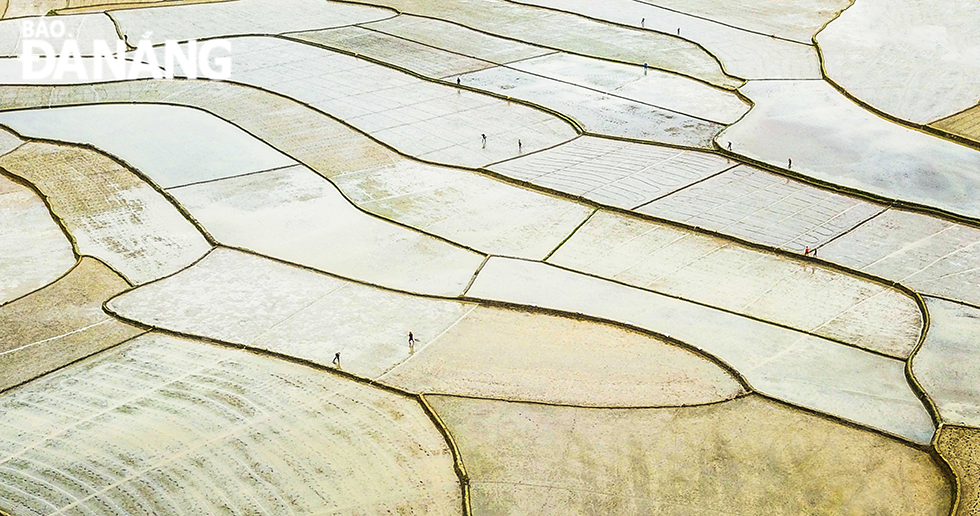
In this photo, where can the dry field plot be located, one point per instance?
(965, 124)
(585, 360)
(232, 432)
(960, 447)
(111, 213)
(33, 249)
(462, 349)
(805, 370)
(506, 354)
(8, 141)
(60, 323)
(746, 457)
(462, 206)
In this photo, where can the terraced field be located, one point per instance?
(491, 257)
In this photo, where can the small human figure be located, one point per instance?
(790, 163)
(484, 140)
(729, 145)
(806, 252)
(519, 145)
(458, 82)
(643, 22)
(678, 31)
(411, 339)
(336, 359)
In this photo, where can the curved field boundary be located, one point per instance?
(459, 467)
(733, 312)
(917, 388)
(759, 246)
(143, 177)
(726, 24)
(970, 114)
(52, 283)
(718, 149)
(61, 225)
(624, 26)
(958, 509)
(576, 125)
(557, 49)
(717, 360)
(211, 240)
(507, 65)
(47, 203)
(922, 128)
(491, 303)
(458, 464)
(530, 186)
(565, 118)
(930, 406)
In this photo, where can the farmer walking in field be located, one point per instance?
(336, 359)
(411, 339)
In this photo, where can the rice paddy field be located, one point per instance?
(489, 257)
